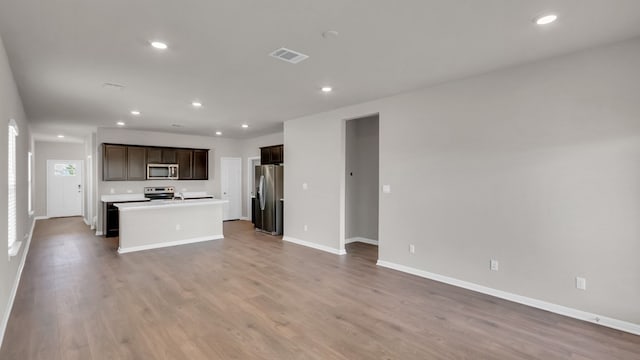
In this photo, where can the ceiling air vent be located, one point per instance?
(289, 56)
(115, 86)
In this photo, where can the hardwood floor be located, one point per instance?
(252, 296)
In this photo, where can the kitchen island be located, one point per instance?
(156, 224)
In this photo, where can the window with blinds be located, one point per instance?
(13, 134)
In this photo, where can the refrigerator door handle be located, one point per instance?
(261, 194)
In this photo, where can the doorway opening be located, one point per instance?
(64, 188)
(361, 186)
(252, 162)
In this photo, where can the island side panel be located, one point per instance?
(154, 227)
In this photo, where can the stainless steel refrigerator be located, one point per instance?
(268, 204)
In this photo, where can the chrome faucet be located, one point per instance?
(177, 196)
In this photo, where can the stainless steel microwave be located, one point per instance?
(162, 171)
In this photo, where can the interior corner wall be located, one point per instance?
(50, 150)
(313, 156)
(11, 108)
(536, 166)
(361, 178)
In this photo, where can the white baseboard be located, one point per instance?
(16, 283)
(85, 221)
(554, 308)
(314, 245)
(99, 233)
(245, 218)
(362, 240)
(168, 244)
(41, 218)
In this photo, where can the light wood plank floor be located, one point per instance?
(252, 296)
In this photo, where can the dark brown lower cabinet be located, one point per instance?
(112, 218)
(253, 210)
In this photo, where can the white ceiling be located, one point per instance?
(63, 51)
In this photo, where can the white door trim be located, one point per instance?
(250, 176)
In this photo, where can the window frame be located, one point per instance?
(12, 188)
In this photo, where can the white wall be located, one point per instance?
(48, 150)
(537, 166)
(219, 147)
(11, 108)
(361, 179)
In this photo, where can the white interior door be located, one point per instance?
(231, 186)
(64, 188)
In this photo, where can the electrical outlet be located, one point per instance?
(386, 189)
(306, 227)
(412, 248)
(494, 265)
(178, 227)
(581, 283)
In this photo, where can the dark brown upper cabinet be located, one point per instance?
(272, 154)
(185, 163)
(200, 164)
(169, 156)
(129, 162)
(154, 155)
(136, 163)
(114, 163)
(159, 155)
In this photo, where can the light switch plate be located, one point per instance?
(386, 189)
(305, 186)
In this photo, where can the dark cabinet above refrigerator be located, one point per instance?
(272, 155)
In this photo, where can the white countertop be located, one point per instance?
(195, 194)
(168, 203)
(123, 197)
(140, 197)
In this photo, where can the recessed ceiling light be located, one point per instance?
(196, 104)
(60, 136)
(159, 45)
(135, 112)
(245, 126)
(218, 132)
(546, 19)
(327, 89)
(120, 123)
